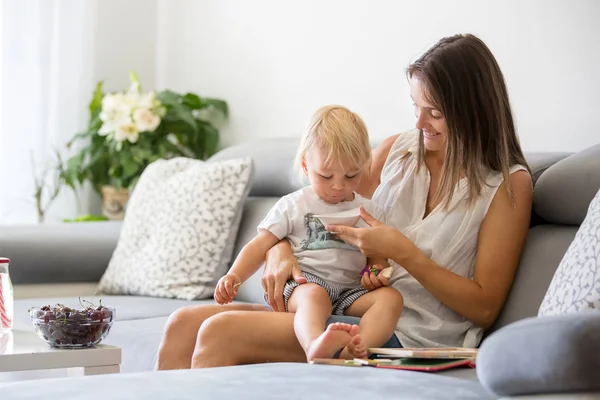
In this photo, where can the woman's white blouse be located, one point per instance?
(449, 238)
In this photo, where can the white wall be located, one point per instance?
(126, 40)
(123, 38)
(54, 52)
(277, 61)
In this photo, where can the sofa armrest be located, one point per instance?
(58, 253)
(543, 355)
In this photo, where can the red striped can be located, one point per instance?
(6, 296)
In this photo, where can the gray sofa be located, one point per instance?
(64, 254)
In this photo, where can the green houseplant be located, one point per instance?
(129, 130)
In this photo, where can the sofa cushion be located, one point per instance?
(542, 355)
(544, 249)
(139, 339)
(261, 381)
(576, 283)
(564, 191)
(179, 229)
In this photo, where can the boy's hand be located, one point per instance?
(375, 276)
(227, 288)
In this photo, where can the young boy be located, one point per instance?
(334, 151)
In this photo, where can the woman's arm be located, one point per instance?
(280, 266)
(501, 240)
(371, 176)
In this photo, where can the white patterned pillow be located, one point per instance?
(179, 230)
(576, 284)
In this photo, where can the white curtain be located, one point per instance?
(48, 53)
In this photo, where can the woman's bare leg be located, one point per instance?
(179, 338)
(243, 337)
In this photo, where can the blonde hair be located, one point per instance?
(340, 133)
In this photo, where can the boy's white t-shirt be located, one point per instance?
(317, 251)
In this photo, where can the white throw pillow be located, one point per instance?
(576, 284)
(179, 230)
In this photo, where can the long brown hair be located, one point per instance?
(464, 82)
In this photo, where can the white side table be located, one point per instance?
(25, 351)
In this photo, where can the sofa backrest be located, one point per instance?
(561, 196)
(58, 252)
(274, 174)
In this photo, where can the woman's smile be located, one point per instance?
(431, 135)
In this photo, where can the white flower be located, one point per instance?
(126, 114)
(111, 124)
(106, 129)
(127, 132)
(116, 101)
(110, 102)
(116, 111)
(147, 100)
(145, 120)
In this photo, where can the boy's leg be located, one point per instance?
(379, 310)
(312, 306)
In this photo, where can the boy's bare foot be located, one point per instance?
(354, 336)
(355, 348)
(335, 337)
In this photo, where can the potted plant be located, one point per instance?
(131, 129)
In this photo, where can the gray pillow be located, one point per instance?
(543, 355)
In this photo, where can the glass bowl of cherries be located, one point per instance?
(72, 327)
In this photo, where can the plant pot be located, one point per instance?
(114, 202)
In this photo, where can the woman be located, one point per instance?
(457, 194)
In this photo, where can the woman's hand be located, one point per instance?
(378, 241)
(280, 266)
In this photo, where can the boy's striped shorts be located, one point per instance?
(341, 297)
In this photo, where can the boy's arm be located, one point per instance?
(253, 254)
